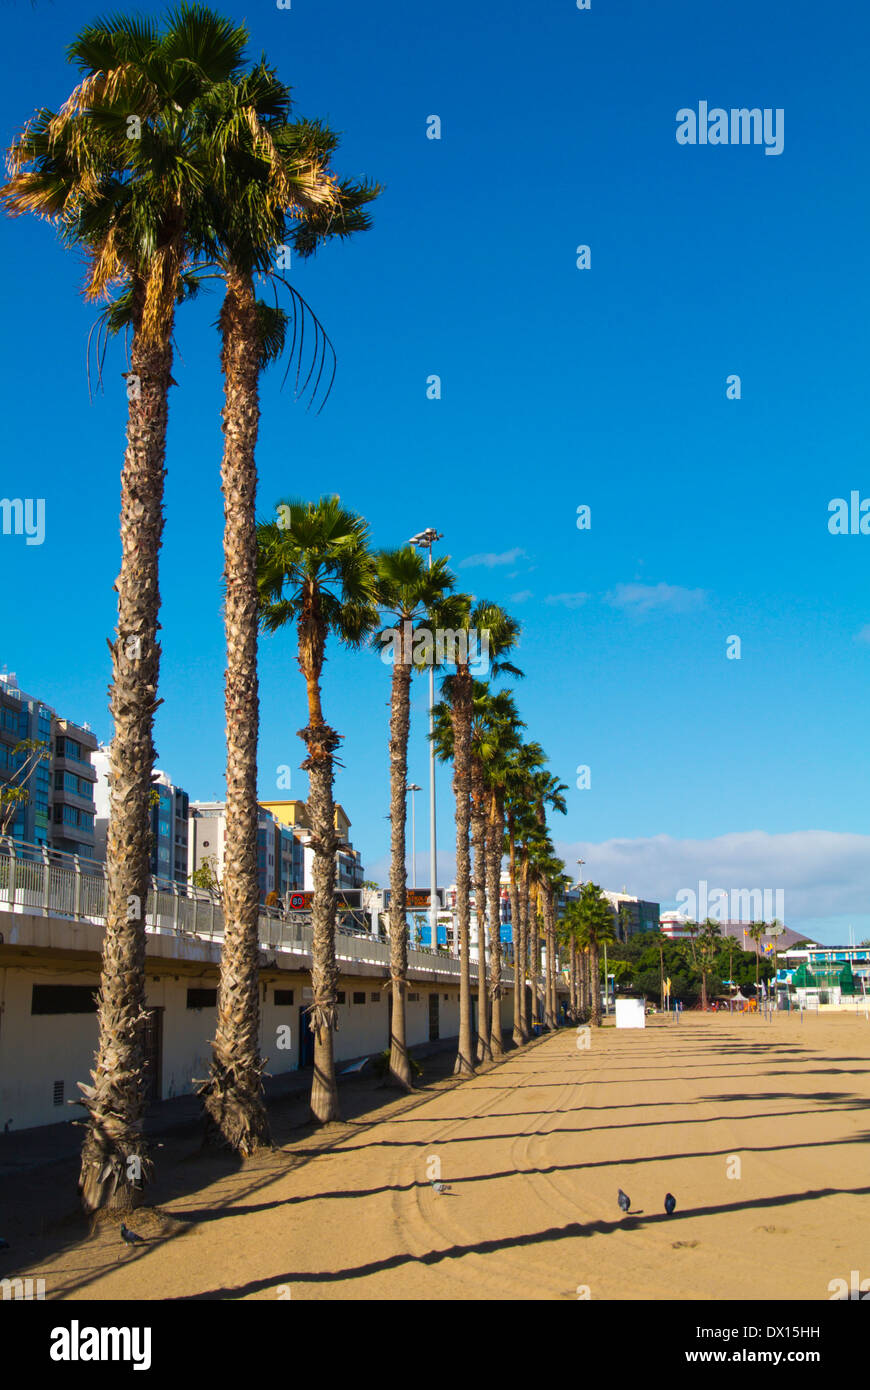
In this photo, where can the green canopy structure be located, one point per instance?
(803, 977)
(847, 980)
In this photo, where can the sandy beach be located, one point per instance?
(758, 1129)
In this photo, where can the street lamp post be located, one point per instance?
(425, 540)
(412, 788)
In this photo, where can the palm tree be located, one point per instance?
(569, 935)
(316, 571)
(406, 593)
(756, 931)
(521, 763)
(503, 740)
(548, 791)
(704, 948)
(135, 206)
(280, 173)
(460, 616)
(594, 929)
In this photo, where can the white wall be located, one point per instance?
(38, 1050)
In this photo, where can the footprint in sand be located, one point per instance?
(685, 1244)
(773, 1230)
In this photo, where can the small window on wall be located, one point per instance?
(446, 998)
(63, 999)
(413, 998)
(342, 998)
(283, 996)
(376, 999)
(202, 998)
(58, 1093)
(359, 996)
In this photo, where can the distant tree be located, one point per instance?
(206, 876)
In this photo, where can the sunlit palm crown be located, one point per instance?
(317, 554)
(210, 170)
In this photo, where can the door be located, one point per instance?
(434, 997)
(153, 1044)
(306, 1038)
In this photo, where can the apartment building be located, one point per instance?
(59, 808)
(169, 816)
(348, 863)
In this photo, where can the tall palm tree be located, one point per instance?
(568, 934)
(316, 571)
(406, 592)
(493, 730)
(459, 614)
(275, 188)
(521, 763)
(756, 931)
(503, 741)
(594, 929)
(135, 207)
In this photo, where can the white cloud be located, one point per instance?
(864, 634)
(824, 874)
(567, 600)
(492, 559)
(522, 597)
(643, 598)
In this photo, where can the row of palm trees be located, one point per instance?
(174, 161)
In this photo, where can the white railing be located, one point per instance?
(37, 879)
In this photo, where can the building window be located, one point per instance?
(202, 998)
(63, 999)
(283, 996)
(57, 1097)
(376, 999)
(341, 996)
(359, 996)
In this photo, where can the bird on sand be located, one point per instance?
(624, 1200)
(130, 1236)
(670, 1203)
(440, 1187)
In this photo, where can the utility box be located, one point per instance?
(630, 1013)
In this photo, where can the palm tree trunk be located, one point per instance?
(574, 982)
(495, 842)
(234, 1105)
(525, 936)
(461, 718)
(478, 823)
(400, 720)
(595, 985)
(534, 956)
(549, 938)
(517, 936)
(115, 1163)
(321, 742)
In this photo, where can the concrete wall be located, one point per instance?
(36, 1051)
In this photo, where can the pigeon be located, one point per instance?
(130, 1236)
(624, 1200)
(440, 1187)
(670, 1203)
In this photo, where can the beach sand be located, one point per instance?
(534, 1150)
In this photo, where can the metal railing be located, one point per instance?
(50, 882)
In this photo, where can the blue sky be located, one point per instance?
(560, 387)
